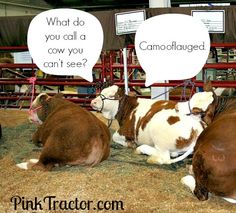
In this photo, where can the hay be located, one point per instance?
(123, 177)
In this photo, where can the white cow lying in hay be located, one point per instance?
(161, 129)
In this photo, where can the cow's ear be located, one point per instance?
(58, 95)
(120, 92)
(43, 99)
(132, 94)
(207, 87)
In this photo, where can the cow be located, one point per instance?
(69, 134)
(214, 158)
(161, 129)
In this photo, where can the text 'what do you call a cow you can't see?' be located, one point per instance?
(65, 37)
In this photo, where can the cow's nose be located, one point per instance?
(30, 119)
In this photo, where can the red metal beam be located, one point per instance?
(224, 45)
(15, 66)
(79, 95)
(206, 66)
(26, 98)
(220, 45)
(54, 82)
(6, 48)
(220, 66)
(196, 83)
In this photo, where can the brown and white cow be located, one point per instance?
(161, 129)
(69, 134)
(214, 159)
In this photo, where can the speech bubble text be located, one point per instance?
(65, 42)
(171, 47)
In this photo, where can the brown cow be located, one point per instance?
(69, 134)
(214, 159)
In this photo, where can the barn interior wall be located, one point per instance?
(14, 10)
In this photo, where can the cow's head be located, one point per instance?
(208, 117)
(108, 101)
(41, 107)
(198, 103)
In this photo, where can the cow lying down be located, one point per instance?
(69, 134)
(214, 158)
(161, 129)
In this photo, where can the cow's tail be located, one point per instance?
(27, 165)
(231, 200)
(183, 156)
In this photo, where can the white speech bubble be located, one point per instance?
(172, 47)
(65, 42)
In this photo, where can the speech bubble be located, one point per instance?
(172, 47)
(65, 42)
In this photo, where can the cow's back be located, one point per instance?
(73, 135)
(74, 116)
(161, 124)
(214, 161)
